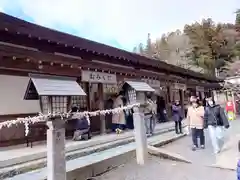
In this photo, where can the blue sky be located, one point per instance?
(119, 23)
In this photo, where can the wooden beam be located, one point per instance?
(36, 56)
(51, 47)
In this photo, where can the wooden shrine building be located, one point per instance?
(99, 69)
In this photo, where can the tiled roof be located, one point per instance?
(18, 26)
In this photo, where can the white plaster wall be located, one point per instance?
(12, 90)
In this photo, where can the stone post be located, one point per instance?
(56, 163)
(140, 138)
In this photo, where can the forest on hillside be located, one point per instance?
(206, 47)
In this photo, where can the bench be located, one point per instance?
(37, 132)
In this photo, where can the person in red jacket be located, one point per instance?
(230, 110)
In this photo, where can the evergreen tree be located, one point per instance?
(148, 49)
(141, 49)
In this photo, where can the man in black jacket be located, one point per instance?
(215, 119)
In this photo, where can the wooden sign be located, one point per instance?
(110, 88)
(99, 77)
(180, 86)
(153, 83)
(199, 89)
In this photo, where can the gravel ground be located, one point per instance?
(159, 169)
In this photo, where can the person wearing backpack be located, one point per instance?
(215, 120)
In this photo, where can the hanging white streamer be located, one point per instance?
(43, 118)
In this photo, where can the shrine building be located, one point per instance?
(100, 70)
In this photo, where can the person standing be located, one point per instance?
(161, 110)
(177, 116)
(215, 119)
(149, 114)
(118, 120)
(195, 122)
(230, 110)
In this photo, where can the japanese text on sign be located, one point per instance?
(153, 83)
(98, 77)
(199, 88)
(180, 86)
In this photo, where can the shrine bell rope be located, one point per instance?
(44, 118)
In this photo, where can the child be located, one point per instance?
(238, 165)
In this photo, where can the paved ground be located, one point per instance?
(227, 158)
(158, 169)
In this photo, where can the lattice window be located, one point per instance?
(80, 101)
(132, 96)
(59, 104)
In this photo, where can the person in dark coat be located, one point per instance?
(82, 127)
(161, 110)
(215, 119)
(177, 116)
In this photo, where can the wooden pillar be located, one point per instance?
(215, 95)
(203, 95)
(181, 92)
(169, 102)
(87, 84)
(101, 107)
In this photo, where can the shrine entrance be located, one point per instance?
(101, 87)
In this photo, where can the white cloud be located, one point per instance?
(126, 21)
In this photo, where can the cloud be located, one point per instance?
(126, 22)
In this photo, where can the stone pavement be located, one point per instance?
(203, 166)
(160, 169)
(227, 157)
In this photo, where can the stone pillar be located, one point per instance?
(140, 138)
(56, 163)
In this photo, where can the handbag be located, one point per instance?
(187, 130)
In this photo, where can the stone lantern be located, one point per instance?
(55, 94)
(136, 91)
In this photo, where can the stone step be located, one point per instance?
(20, 154)
(40, 163)
(98, 162)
